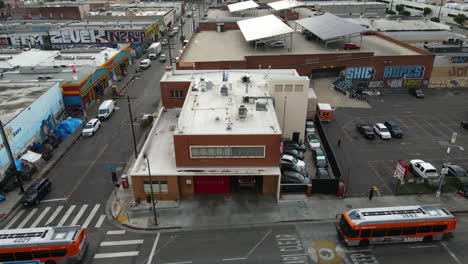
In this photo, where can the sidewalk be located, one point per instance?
(209, 211)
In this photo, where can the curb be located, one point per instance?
(150, 228)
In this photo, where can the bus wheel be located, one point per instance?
(364, 243)
(50, 262)
(428, 239)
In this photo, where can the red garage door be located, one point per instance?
(211, 184)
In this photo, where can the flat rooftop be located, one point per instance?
(383, 24)
(207, 111)
(203, 48)
(416, 36)
(14, 97)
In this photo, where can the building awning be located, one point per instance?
(242, 6)
(328, 26)
(285, 4)
(263, 27)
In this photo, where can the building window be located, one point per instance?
(299, 88)
(156, 186)
(227, 152)
(278, 88)
(177, 94)
(288, 88)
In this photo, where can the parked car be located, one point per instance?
(310, 127)
(464, 124)
(366, 130)
(417, 92)
(294, 145)
(91, 127)
(459, 174)
(423, 169)
(164, 42)
(293, 177)
(293, 167)
(291, 160)
(351, 46)
(277, 44)
(313, 141)
(162, 58)
(247, 181)
(295, 153)
(172, 34)
(36, 192)
(322, 173)
(176, 29)
(394, 129)
(145, 64)
(382, 131)
(319, 158)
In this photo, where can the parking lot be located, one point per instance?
(427, 125)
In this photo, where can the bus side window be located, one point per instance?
(365, 232)
(440, 228)
(379, 232)
(41, 254)
(394, 231)
(353, 233)
(409, 230)
(424, 229)
(23, 256)
(6, 257)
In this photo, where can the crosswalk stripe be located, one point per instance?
(38, 220)
(67, 214)
(115, 232)
(99, 222)
(116, 254)
(54, 215)
(122, 242)
(78, 216)
(91, 216)
(14, 219)
(27, 218)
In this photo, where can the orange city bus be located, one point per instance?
(49, 245)
(361, 227)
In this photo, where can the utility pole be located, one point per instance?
(151, 189)
(440, 8)
(131, 125)
(169, 47)
(444, 170)
(10, 156)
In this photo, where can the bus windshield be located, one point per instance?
(347, 229)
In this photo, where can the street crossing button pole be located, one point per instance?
(10, 156)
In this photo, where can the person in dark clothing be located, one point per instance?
(339, 142)
(371, 193)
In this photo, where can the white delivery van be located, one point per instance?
(106, 109)
(154, 50)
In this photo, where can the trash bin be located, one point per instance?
(124, 181)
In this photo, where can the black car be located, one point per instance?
(319, 158)
(36, 191)
(464, 124)
(294, 145)
(322, 173)
(394, 129)
(295, 168)
(417, 92)
(366, 130)
(293, 152)
(293, 177)
(460, 176)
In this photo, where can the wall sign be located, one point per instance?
(404, 72)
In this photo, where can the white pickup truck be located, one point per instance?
(423, 169)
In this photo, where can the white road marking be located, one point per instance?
(184, 262)
(258, 244)
(38, 220)
(116, 254)
(352, 251)
(91, 216)
(78, 216)
(121, 242)
(451, 253)
(116, 232)
(53, 200)
(54, 215)
(14, 219)
(232, 259)
(99, 222)
(150, 259)
(25, 220)
(67, 214)
(427, 246)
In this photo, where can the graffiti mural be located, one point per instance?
(83, 36)
(459, 59)
(404, 72)
(458, 71)
(360, 73)
(449, 83)
(47, 125)
(376, 84)
(21, 40)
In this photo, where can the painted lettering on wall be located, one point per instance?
(411, 83)
(10, 134)
(83, 36)
(449, 83)
(360, 73)
(404, 72)
(458, 71)
(459, 59)
(22, 40)
(376, 84)
(394, 83)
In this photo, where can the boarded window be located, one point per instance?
(158, 186)
(279, 88)
(288, 88)
(299, 88)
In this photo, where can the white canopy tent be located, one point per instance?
(241, 6)
(285, 4)
(263, 27)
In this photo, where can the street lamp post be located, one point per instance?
(151, 189)
(444, 170)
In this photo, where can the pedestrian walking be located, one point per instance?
(371, 193)
(339, 142)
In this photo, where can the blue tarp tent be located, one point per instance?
(18, 165)
(67, 127)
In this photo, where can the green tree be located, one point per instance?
(2, 4)
(427, 11)
(391, 12)
(460, 18)
(405, 13)
(399, 8)
(435, 19)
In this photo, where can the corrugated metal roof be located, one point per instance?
(329, 26)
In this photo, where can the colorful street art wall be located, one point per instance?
(449, 77)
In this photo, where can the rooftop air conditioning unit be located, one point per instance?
(242, 112)
(224, 90)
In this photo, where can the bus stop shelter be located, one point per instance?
(329, 28)
(264, 27)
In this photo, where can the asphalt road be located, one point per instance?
(427, 125)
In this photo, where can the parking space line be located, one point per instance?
(258, 244)
(380, 177)
(232, 259)
(451, 253)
